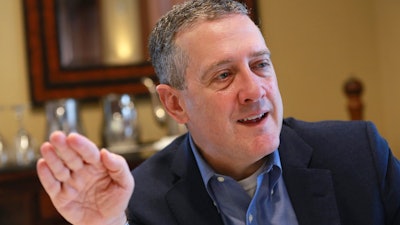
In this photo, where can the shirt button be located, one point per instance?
(221, 179)
(272, 192)
(250, 218)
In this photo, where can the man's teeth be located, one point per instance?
(252, 118)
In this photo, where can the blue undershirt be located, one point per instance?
(260, 199)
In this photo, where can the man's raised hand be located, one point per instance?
(86, 186)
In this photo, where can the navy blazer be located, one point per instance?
(335, 173)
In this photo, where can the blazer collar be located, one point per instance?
(310, 189)
(188, 198)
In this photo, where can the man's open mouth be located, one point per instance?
(253, 119)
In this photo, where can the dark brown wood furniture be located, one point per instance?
(23, 201)
(353, 89)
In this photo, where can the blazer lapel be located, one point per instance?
(189, 192)
(310, 190)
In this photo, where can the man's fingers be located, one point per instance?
(49, 182)
(85, 148)
(60, 193)
(69, 156)
(118, 169)
(54, 163)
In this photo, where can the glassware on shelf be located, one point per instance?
(4, 157)
(63, 115)
(120, 129)
(24, 144)
(3, 152)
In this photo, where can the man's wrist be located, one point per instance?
(121, 220)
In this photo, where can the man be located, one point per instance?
(240, 162)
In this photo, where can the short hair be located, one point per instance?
(170, 61)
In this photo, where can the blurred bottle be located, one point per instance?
(120, 130)
(3, 152)
(160, 114)
(63, 115)
(24, 144)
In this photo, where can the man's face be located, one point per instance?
(232, 104)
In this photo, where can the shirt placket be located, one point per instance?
(266, 182)
(231, 199)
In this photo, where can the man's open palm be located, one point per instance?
(87, 186)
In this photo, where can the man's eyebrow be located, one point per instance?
(212, 66)
(217, 64)
(261, 53)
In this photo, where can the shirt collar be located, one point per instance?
(207, 172)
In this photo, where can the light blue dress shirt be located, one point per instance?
(270, 204)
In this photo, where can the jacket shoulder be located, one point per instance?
(161, 160)
(333, 131)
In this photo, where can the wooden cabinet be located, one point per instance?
(23, 200)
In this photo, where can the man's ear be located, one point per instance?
(172, 102)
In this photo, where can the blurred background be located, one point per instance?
(316, 46)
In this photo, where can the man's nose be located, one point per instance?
(251, 87)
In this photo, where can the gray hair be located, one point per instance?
(170, 61)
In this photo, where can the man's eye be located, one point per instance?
(223, 76)
(222, 80)
(262, 64)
